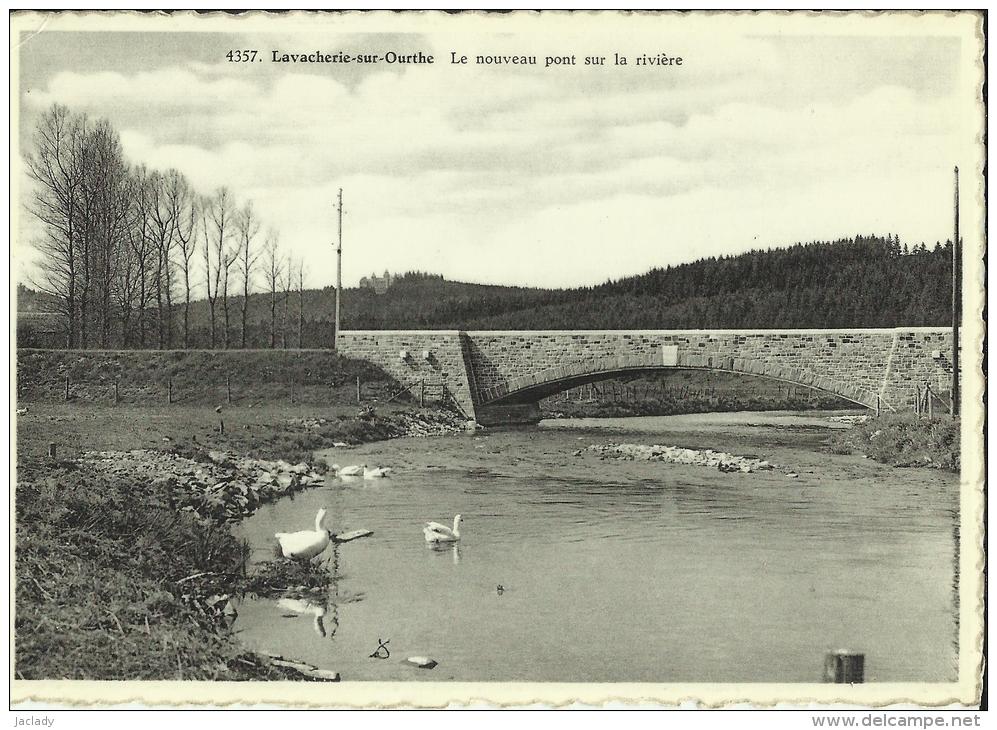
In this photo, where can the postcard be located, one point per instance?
(380, 359)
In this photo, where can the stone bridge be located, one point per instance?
(501, 376)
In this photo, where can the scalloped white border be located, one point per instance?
(965, 691)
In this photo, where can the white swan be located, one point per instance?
(352, 471)
(381, 471)
(435, 532)
(305, 544)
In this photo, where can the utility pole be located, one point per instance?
(956, 303)
(339, 269)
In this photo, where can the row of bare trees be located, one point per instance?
(125, 249)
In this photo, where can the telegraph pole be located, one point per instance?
(956, 303)
(339, 269)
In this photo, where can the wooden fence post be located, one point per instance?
(169, 390)
(844, 667)
(228, 387)
(917, 400)
(67, 387)
(927, 392)
(358, 389)
(292, 391)
(115, 392)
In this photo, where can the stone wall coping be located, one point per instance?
(869, 330)
(343, 333)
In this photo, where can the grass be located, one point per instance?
(99, 595)
(112, 581)
(104, 564)
(903, 440)
(199, 377)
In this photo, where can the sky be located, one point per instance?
(526, 175)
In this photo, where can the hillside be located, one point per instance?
(862, 282)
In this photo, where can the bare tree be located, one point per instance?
(55, 167)
(107, 186)
(142, 249)
(81, 198)
(301, 301)
(216, 224)
(286, 297)
(273, 274)
(229, 256)
(186, 212)
(162, 230)
(120, 242)
(247, 227)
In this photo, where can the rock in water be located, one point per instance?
(352, 535)
(323, 675)
(423, 662)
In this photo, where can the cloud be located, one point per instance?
(530, 175)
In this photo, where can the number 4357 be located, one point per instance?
(241, 56)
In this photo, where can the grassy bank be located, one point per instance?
(199, 377)
(903, 441)
(113, 580)
(99, 564)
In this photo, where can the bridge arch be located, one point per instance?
(533, 387)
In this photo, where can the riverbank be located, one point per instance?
(903, 441)
(125, 563)
(241, 378)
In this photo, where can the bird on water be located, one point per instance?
(305, 544)
(435, 532)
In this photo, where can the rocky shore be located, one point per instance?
(677, 455)
(225, 486)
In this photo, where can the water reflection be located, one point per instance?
(614, 565)
(323, 609)
(305, 607)
(442, 548)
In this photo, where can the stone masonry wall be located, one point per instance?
(445, 362)
(481, 368)
(858, 364)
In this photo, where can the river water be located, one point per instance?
(621, 570)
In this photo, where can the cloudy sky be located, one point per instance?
(765, 135)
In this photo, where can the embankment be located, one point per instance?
(236, 377)
(903, 440)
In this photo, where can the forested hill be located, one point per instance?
(861, 282)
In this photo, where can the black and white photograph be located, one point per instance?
(413, 358)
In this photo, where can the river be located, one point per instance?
(624, 570)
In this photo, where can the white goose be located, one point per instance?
(305, 544)
(435, 532)
(352, 471)
(381, 471)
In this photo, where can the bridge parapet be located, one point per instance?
(868, 366)
(858, 364)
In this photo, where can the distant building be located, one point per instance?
(379, 284)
